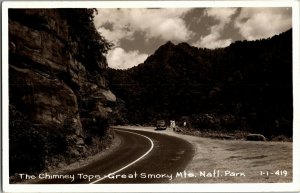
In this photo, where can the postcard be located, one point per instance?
(150, 96)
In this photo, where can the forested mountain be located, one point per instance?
(245, 86)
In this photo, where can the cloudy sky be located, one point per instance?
(137, 33)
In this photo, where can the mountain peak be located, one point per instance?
(169, 43)
(162, 52)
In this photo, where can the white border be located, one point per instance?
(147, 4)
(248, 187)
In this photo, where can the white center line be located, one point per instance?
(152, 145)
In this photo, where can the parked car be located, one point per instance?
(161, 125)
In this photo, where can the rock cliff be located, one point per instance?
(59, 99)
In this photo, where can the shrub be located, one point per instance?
(26, 145)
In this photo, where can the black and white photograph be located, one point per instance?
(150, 96)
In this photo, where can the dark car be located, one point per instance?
(161, 125)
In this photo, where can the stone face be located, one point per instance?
(48, 85)
(51, 100)
(39, 46)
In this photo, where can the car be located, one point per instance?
(161, 125)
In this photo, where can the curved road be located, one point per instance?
(142, 157)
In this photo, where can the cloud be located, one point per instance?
(118, 58)
(221, 14)
(165, 24)
(258, 23)
(213, 40)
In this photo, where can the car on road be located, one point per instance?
(161, 125)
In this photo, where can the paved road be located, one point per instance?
(142, 157)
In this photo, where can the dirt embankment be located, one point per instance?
(234, 161)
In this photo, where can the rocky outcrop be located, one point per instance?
(51, 88)
(255, 137)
